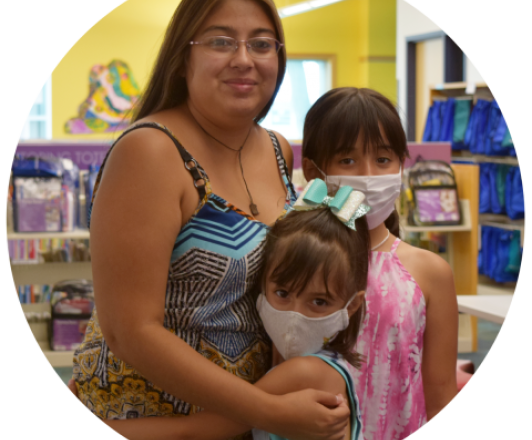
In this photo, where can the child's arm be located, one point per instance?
(440, 340)
(303, 373)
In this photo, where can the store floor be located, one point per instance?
(487, 332)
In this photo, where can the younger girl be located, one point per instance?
(313, 282)
(409, 336)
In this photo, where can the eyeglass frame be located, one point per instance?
(236, 46)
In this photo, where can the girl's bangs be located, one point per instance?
(301, 259)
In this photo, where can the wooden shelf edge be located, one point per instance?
(56, 358)
(80, 234)
(482, 158)
(456, 85)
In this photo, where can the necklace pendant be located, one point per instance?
(253, 209)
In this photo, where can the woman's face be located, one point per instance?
(236, 85)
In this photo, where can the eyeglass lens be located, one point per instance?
(259, 47)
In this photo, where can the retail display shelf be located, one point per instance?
(503, 222)
(50, 273)
(457, 85)
(57, 358)
(465, 226)
(493, 289)
(481, 158)
(80, 234)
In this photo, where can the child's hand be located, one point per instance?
(310, 415)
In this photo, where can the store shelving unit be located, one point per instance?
(49, 273)
(465, 275)
(462, 247)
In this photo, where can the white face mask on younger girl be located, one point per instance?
(295, 334)
(380, 191)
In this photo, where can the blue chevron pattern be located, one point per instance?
(209, 302)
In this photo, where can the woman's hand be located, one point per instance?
(308, 415)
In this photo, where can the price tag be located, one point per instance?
(471, 88)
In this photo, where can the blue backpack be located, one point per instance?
(514, 198)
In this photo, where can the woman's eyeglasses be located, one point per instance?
(258, 47)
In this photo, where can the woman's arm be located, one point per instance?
(144, 197)
(294, 375)
(440, 344)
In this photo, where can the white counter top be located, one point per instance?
(492, 308)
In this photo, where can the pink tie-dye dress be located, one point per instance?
(389, 384)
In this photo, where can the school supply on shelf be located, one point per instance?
(501, 190)
(72, 304)
(432, 194)
(500, 255)
(479, 128)
(45, 195)
(50, 250)
(37, 195)
(34, 293)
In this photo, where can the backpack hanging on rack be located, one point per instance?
(433, 194)
(514, 198)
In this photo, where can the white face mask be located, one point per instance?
(380, 191)
(295, 334)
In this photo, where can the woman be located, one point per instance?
(180, 210)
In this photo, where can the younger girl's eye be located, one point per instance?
(320, 302)
(383, 160)
(281, 293)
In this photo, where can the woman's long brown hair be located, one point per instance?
(167, 86)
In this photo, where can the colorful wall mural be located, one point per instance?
(113, 92)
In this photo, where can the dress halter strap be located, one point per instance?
(395, 245)
(192, 166)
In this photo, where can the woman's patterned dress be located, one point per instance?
(209, 304)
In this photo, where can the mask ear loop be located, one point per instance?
(319, 169)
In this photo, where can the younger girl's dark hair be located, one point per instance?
(308, 242)
(336, 120)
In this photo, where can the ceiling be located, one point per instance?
(155, 13)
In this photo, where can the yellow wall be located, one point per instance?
(354, 30)
(131, 33)
(361, 33)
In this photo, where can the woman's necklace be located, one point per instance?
(252, 206)
(382, 242)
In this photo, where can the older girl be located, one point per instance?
(409, 337)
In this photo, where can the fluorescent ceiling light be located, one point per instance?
(295, 9)
(299, 8)
(320, 3)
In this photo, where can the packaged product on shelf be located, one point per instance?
(432, 194)
(70, 195)
(501, 190)
(89, 180)
(72, 303)
(500, 254)
(37, 195)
